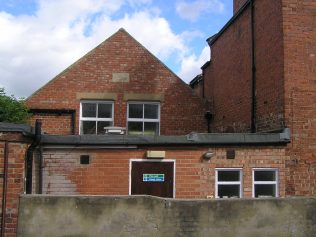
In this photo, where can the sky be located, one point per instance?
(41, 38)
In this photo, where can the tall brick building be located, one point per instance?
(256, 96)
(261, 77)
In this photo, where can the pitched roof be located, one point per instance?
(120, 31)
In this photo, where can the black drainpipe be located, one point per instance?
(5, 187)
(40, 170)
(29, 156)
(203, 84)
(254, 86)
(208, 117)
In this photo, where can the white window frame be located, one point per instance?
(276, 182)
(240, 182)
(111, 120)
(143, 120)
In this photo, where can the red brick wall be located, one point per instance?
(238, 4)
(302, 151)
(181, 110)
(108, 172)
(54, 124)
(198, 89)
(299, 23)
(269, 64)
(15, 182)
(228, 79)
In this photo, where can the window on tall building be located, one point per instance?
(143, 118)
(228, 183)
(265, 183)
(94, 116)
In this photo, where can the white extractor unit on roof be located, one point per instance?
(115, 130)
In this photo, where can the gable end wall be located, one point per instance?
(148, 80)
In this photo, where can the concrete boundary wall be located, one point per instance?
(69, 216)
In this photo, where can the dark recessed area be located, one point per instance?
(230, 154)
(84, 159)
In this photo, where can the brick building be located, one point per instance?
(260, 79)
(103, 93)
(119, 79)
(14, 143)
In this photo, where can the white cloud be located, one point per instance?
(35, 48)
(191, 10)
(153, 32)
(191, 65)
(191, 35)
(135, 3)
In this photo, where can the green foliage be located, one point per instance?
(12, 110)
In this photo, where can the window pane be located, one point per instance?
(105, 111)
(264, 175)
(151, 129)
(265, 190)
(88, 127)
(228, 191)
(228, 175)
(101, 125)
(135, 111)
(135, 128)
(89, 110)
(151, 111)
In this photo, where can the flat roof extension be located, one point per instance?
(190, 139)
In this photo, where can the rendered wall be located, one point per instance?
(50, 216)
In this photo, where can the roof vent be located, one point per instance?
(193, 136)
(115, 130)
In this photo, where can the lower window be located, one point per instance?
(265, 183)
(228, 183)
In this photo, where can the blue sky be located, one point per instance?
(40, 38)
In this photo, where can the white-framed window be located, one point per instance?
(228, 183)
(95, 115)
(143, 118)
(265, 182)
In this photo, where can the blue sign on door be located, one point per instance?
(153, 177)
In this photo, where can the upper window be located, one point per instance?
(228, 183)
(265, 183)
(94, 116)
(143, 118)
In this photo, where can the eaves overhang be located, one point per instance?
(192, 139)
(16, 128)
(211, 40)
(205, 65)
(196, 80)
